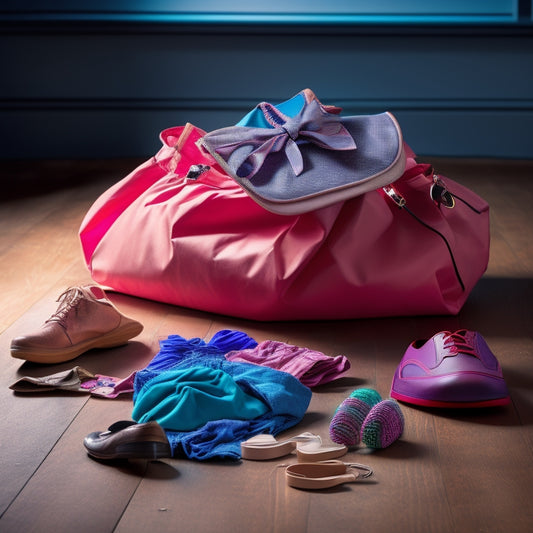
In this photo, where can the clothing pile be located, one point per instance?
(229, 397)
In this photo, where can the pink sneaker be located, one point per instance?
(85, 319)
(450, 370)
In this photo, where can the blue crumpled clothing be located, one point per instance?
(185, 399)
(284, 397)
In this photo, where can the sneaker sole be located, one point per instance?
(117, 337)
(450, 405)
(137, 450)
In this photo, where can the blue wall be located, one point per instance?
(76, 87)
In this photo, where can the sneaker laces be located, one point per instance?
(67, 300)
(457, 343)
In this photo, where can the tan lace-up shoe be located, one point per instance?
(85, 319)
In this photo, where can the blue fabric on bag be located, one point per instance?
(256, 119)
(284, 398)
(336, 157)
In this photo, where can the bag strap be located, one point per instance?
(400, 201)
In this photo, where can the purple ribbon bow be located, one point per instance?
(311, 124)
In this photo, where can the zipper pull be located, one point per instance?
(394, 195)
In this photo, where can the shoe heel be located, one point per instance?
(144, 450)
(160, 450)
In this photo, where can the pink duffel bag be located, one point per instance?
(179, 230)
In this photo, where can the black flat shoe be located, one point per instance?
(129, 440)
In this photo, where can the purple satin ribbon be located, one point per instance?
(311, 124)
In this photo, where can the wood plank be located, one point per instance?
(40, 459)
(60, 496)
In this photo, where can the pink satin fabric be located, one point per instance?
(205, 244)
(310, 367)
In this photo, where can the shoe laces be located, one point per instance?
(67, 300)
(457, 342)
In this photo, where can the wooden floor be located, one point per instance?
(467, 471)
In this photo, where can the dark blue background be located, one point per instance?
(103, 83)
